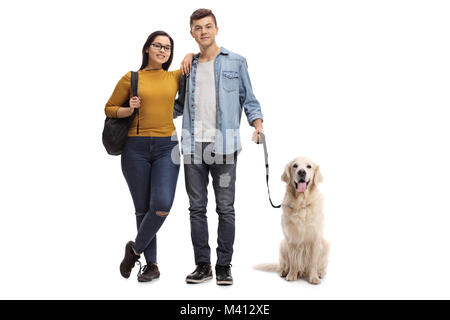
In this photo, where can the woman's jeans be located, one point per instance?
(150, 166)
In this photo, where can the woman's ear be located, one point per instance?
(286, 176)
(318, 178)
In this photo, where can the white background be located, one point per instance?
(360, 87)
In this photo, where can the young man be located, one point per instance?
(217, 89)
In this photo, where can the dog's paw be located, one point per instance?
(291, 277)
(322, 274)
(314, 280)
(283, 273)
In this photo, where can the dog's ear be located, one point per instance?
(286, 176)
(318, 178)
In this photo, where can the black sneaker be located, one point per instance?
(202, 273)
(223, 275)
(149, 272)
(128, 261)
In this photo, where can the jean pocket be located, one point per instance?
(230, 80)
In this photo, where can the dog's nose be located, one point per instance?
(301, 173)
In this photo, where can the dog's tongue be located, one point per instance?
(301, 186)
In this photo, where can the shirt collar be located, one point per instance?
(223, 51)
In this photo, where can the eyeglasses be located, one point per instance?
(159, 46)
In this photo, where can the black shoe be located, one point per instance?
(223, 275)
(149, 272)
(129, 260)
(202, 273)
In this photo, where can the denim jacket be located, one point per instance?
(233, 93)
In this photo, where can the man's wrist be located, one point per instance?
(257, 124)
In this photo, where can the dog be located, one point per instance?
(304, 251)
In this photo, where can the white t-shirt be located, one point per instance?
(205, 103)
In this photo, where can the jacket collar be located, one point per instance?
(223, 51)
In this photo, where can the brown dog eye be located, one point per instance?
(295, 165)
(308, 166)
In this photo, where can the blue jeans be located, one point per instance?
(223, 172)
(150, 166)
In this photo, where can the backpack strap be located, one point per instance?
(134, 91)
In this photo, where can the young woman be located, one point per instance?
(150, 159)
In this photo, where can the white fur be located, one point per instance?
(304, 251)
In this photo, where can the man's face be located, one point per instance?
(204, 31)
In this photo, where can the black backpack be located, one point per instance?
(115, 131)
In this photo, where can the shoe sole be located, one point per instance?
(224, 283)
(198, 281)
(147, 280)
(125, 275)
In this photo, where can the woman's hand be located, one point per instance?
(135, 103)
(186, 64)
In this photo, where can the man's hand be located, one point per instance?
(258, 128)
(186, 64)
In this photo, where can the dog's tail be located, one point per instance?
(270, 267)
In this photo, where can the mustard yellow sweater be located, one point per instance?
(157, 90)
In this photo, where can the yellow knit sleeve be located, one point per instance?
(119, 96)
(177, 74)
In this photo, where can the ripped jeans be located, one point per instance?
(150, 166)
(223, 172)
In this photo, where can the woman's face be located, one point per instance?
(159, 51)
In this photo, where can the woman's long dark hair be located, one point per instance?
(147, 44)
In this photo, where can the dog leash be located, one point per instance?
(266, 157)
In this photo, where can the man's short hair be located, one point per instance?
(200, 14)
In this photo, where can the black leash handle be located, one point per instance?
(262, 140)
